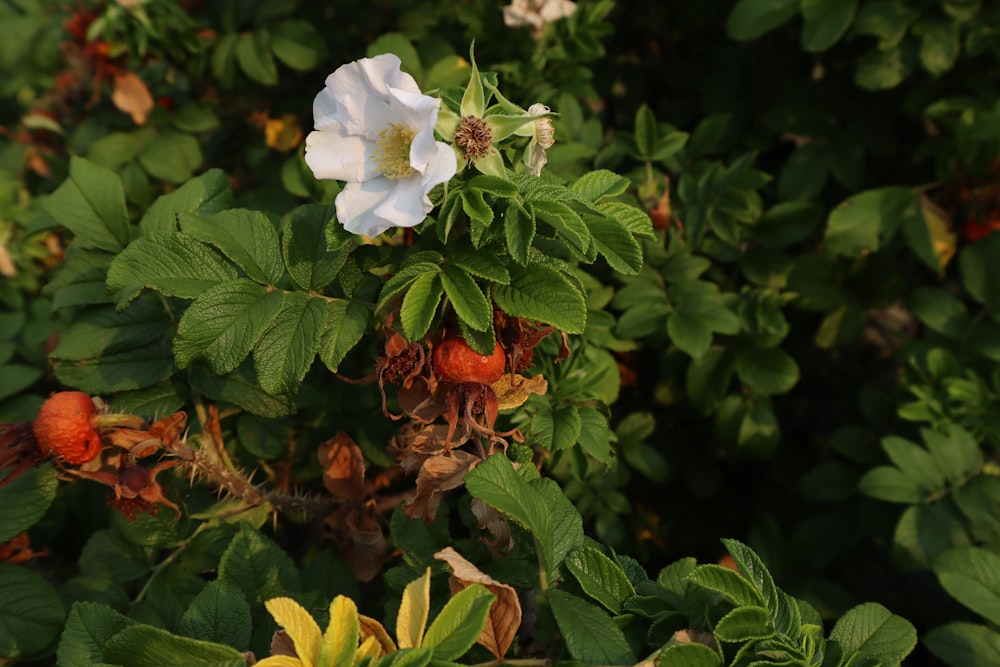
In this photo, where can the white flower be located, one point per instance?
(542, 137)
(536, 13)
(375, 130)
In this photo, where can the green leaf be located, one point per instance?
(17, 378)
(916, 463)
(31, 612)
(241, 389)
(750, 19)
(480, 264)
(940, 310)
(891, 485)
(881, 70)
(688, 655)
(869, 631)
(600, 577)
(496, 186)
(26, 499)
(616, 244)
(591, 635)
(981, 271)
(565, 523)
(940, 44)
(460, 623)
(476, 207)
(971, 575)
(956, 451)
(601, 184)
(88, 627)
(826, 21)
(258, 567)
(223, 324)
(632, 218)
(171, 263)
(539, 293)
(345, 323)
(857, 224)
(219, 614)
(104, 330)
(80, 279)
(519, 231)
(595, 434)
(964, 644)
(726, 583)
(91, 204)
(466, 297)
(753, 569)
(647, 134)
(310, 261)
(420, 306)
(298, 44)
(767, 370)
(209, 193)
(148, 646)
(246, 237)
(253, 53)
(133, 368)
(171, 156)
(285, 352)
(743, 624)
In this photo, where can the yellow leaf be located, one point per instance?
(413, 612)
(340, 641)
(369, 649)
(512, 390)
(299, 625)
(283, 134)
(939, 226)
(280, 661)
(372, 628)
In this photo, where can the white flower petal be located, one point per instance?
(356, 206)
(407, 204)
(553, 10)
(440, 169)
(334, 154)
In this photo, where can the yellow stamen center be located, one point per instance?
(392, 155)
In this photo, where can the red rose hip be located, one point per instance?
(456, 362)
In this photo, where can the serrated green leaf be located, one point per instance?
(456, 628)
(726, 583)
(600, 184)
(420, 305)
(476, 207)
(767, 371)
(219, 614)
(744, 624)
(134, 368)
(632, 218)
(223, 324)
(91, 204)
(754, 570)
(871, 632)
(31, 612)
(539, 293)
(147, 646)
(466, 297)
(258, 567)
(285, 352)
(917, 464)
(565, 522)
(171, 263)
(26, 499)
(564, 220)
(241, 388)
(304, 247)
(402, 279)
(862, 222)
(171, 156)
(591, 635)
(600, 577)
(499, 187)
(971, 575)
(616, 244)
(205, 195)
(692, 654)
(80, 279)
(480, 264)
(246, 237)
(104, 330)
(345, 323)
(519, 231)
(88, 627)
(595, 434)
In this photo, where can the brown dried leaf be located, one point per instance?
(437, 475)
(496, 524)
(132, 96)
(372, 628)
(343, 467)
(282, 644)
(283, 134)
(418, 401)
(513, 390)
(505, 612)
(365, 553)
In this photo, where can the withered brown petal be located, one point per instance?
(343, 467)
